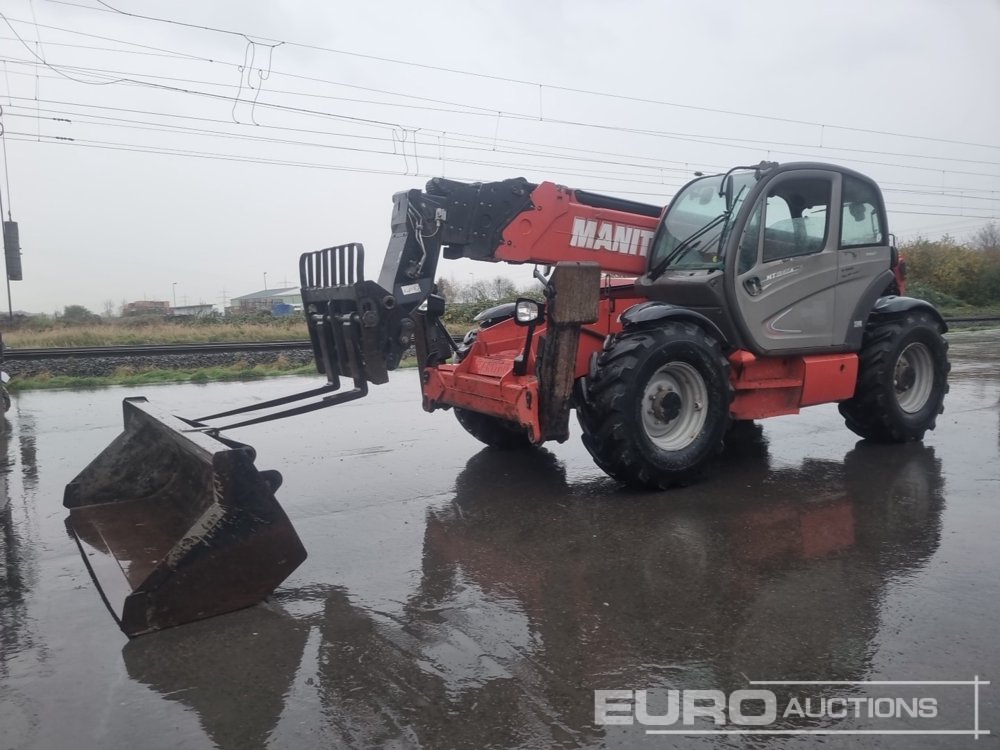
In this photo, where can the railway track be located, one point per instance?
(157, 350)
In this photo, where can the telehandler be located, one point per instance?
(754, 293)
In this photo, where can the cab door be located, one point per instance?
(786, 272)
(865, 255)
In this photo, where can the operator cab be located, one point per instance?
(782, 258)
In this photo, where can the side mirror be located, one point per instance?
(527, 312)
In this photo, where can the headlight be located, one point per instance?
(527, 311)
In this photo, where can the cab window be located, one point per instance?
(861, 219)
(796, 217)
(749, 241)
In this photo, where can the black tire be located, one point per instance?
(646, 439)
(902, 379)
(743, 430)
(493, 431)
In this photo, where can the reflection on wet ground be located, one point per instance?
(459, 597)
(18, 652)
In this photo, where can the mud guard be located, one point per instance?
(894, 305)
(645, 313)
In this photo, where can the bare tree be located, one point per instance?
(109, 308)
(447, 288)
(478, 292)
(502, 288)
(987, 238)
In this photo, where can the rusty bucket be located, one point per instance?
(176, 524)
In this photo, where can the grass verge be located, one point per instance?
(157, 333)
(158, 376)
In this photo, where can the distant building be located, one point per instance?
(266, 299)
(146, 307)
(193, 311)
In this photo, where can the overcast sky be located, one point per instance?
(203, 158)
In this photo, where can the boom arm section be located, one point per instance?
(514, 221)
(360, 328)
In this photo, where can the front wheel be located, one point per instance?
(902, 380)
(493, 431)
(657, 406)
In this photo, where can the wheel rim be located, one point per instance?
(913, 378)
(674, 406)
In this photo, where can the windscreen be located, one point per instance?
(693, 232)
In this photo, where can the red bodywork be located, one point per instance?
(764, 386)
(561, 228)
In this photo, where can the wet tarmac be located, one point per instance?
(458, 597)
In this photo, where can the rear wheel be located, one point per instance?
(657, 405)
(902, 380)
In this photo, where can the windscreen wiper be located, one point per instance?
(660, 267)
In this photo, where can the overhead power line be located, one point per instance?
(414, 170)
(486, 111)
(140, 148)
(128, 42)
(690, 138)
(107, 7)
(468, 143)
(448, 138)
(143, 125)
(94, 48)
(452, 107)
(961, 225)
(491, 112)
